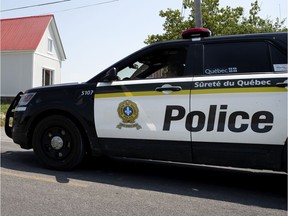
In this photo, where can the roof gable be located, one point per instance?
(23, 33)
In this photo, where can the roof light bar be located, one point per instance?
(196, 32)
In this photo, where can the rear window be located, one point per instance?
(279, 59)
(244, 57)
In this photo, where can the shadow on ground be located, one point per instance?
(264, 189)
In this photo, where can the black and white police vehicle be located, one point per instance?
(203, 100)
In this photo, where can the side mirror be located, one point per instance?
(111, 75)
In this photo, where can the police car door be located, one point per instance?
(239, 105)
(133, 114)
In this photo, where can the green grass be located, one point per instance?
(4, 108)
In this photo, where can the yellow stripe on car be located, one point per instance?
(194, 91)
(140, 93)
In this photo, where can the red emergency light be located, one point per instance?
(196, 32)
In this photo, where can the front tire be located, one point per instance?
(58, 143)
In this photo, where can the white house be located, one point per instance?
(31, 54)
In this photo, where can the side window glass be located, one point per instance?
(127, 72)
(279, 60)
(229, 58)
(164, 63)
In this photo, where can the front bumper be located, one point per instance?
(10, 115)
(20, 136)
(17, 132)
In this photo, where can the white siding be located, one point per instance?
(45, 59)
(43, 45)
(16, 72)
(22, 70)
(41, 62)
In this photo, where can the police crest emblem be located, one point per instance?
(128, 112)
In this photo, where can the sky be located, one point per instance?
(97, 33)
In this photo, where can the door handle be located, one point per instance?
(168, 88)
(282, 84)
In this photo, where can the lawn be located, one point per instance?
(4, 108)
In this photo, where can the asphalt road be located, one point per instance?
(113, 187)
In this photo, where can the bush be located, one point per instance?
(4, 108)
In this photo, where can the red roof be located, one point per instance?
(23, 33)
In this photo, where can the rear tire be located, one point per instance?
(58, 143)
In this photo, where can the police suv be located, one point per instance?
(202, 100)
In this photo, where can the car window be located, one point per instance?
(279, 60)
(233, 58)
(164, 63)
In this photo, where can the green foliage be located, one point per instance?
(221, 21)
(4, 108)
(173, 26)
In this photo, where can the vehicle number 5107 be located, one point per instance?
(87, 92)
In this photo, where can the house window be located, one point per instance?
(47, 77)
(50, 45)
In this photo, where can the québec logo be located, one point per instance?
(128, 112)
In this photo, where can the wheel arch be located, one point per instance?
(37, 119)
(284, 157)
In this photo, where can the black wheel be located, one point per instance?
(58, 144)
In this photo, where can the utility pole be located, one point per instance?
(198, 14)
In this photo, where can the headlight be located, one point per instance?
(26, 98)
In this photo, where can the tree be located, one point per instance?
(221, 21)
